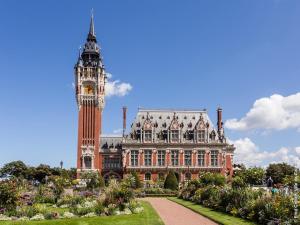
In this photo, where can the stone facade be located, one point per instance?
(185, 141)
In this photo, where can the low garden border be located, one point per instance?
(218, 217)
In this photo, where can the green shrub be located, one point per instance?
(51, 215)
(133, 204)
(70, 201)
(188, 191)
(254, 205)
(81, 211)
(111, 208)
(212, 179)
(26, 211)
(8, 195)
(99, 208)
(210, 197)
(138, 183)
(45, 195)
(171, 181)
(238, 182)
(93, 180)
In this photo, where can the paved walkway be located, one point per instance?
(174, 214)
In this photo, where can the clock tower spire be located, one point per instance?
(90, 91)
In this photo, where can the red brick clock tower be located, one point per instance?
(89, 81)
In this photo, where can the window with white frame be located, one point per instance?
(88, 162)
(161, 157)
(148, 135)
(174, 157)
(201, 158)
(147, 157)
(214, 158)
(201, 135)
(134, 154)
(174, 135)
(111, 162)
(188, 157)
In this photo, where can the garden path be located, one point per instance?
(174, 214)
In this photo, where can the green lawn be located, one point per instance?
(148, 217)
(219, 217)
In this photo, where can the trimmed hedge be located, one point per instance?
(171, 181)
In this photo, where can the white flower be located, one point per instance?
(4, 217)
(138, 210)
(68, 215)
(24, 218)
(117, 212)
(127, 211)
(89, 215)
(38, 217)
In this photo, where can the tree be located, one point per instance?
(93, 180)
(252, 176)
(279, 171)
(17, 169)
(138, 183)
(171, 181)
(41, 172)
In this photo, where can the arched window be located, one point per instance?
(188, 176)
(147, 176)
(88, 162)
(161, 176)
(213, 135)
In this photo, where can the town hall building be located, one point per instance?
(160, 140)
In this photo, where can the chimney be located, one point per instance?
(124, 119)
(220, 123)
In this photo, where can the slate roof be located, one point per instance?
(108, 143)
(164, 117)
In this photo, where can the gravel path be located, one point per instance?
(174, 214)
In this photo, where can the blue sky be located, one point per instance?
(175, 54)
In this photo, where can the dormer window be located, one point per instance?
(213, 136)
(201, 135)
(148, 135)
(174, 135)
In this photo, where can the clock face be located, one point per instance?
(89, 90)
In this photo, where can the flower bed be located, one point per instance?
(116, 199)
(255, 205)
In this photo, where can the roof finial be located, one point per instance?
(92, 29)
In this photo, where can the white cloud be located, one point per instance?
(116, 88)
(275, 112)
(108, 75)
(118, 131)
(248, 153)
